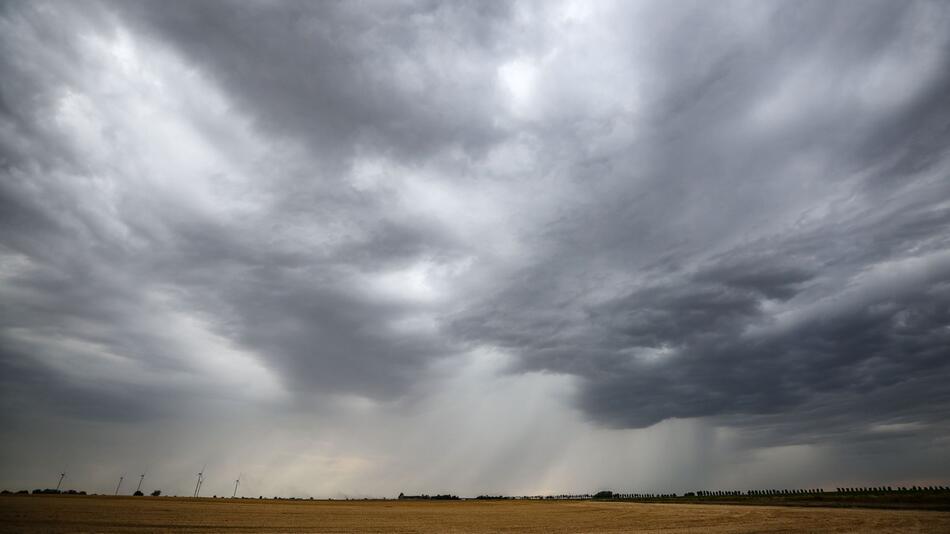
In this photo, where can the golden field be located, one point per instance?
(50, 513)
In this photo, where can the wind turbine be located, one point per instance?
(236, 482)
(141, 479)
(61, 477)
(200, 479)
(119, 484)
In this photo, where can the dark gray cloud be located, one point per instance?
(339, 76)
(733, 214)
(730, 229)
(295, 298)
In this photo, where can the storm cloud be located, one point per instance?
(348, 224)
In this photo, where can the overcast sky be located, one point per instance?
(361, 248)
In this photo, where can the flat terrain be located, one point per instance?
(921, 500)
(51, 513)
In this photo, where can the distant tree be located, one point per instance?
(138, 493)
(157, 493)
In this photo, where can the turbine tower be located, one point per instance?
(200, 479)
(141, 478)
(236, 482)
(60, 483)
(117, 486)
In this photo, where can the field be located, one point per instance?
(50, 513)
(917, 500)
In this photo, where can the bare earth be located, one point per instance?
(51, 513)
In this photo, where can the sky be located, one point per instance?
(348, 249)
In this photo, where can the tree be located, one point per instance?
(138, 493)
(156, 493)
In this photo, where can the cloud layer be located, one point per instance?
(728, 223)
